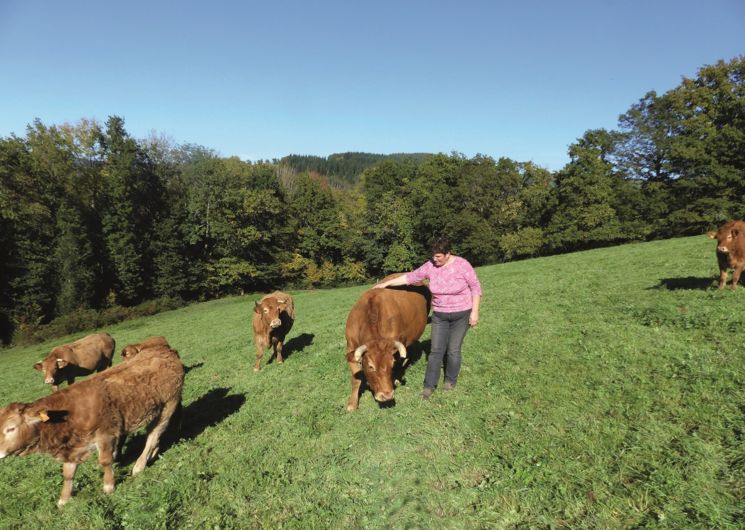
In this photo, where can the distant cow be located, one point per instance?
(273, 317)
(82, 357)
(730, 250)
(132, 350)
(381, 323)
(96, 413)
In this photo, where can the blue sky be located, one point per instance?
(262, 80)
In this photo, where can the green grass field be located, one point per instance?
(601, 389)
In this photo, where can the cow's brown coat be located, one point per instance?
(132, 350)
(90, 354)
(730, 250)
(97, 413)
(273, 317)
(381, 323)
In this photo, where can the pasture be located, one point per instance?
(601, 389)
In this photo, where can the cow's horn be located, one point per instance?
(359, 351)
(401, 349)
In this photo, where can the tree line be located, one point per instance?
(92, 218)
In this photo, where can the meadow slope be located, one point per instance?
(602, 389)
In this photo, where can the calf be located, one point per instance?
(82, 357)
(97, 413)
(273, 317)
(730, 250)
(132, 350)
(381, 323)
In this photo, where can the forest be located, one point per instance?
(93, 220)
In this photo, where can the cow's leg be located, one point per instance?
(278, 351)
(259, 354)
(354, 397)
(153, 437)
(736, 276)
(106, 449)
(722, 278)
(68, 473)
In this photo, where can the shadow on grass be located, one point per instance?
(188, 422)
(689, 282)
(294, 345)
(188, 369)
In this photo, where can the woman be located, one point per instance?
(456, 296)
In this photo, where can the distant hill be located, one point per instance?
(344, 169)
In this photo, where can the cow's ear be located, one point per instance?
(61, 363)
(711, 235)
(37, 366)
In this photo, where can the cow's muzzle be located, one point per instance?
(384, 396)
(49, 380)
(275, 323)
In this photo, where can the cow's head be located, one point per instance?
(53, 364)
(377, 359)
(725, 237)
(130, 351)
(19, 428)
(269, 309)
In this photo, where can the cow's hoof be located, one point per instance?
(139, 466)
(351, 408)
(108, 489)
(62, 502)
(257, 369)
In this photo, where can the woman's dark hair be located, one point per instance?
(441, 246)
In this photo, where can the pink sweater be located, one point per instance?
(453, 286)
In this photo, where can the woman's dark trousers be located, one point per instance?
(448, 331)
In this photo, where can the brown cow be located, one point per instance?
(730, 250)
(96, 413)
(82, 357)
(382, 322)
(273, 317)
(132, 350)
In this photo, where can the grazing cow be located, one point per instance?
(730, 250)
(273, 317)
(382, 322)
(82, 357)
(96, 413)
(132, 350)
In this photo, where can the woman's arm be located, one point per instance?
(474, 318)
(399, 280)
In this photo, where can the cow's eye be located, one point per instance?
(9, 429)
(266, 310)
(371, 367)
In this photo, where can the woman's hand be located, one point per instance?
(473, 319)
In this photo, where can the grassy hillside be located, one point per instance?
(602, 389)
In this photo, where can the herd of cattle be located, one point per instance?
(144, 390)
